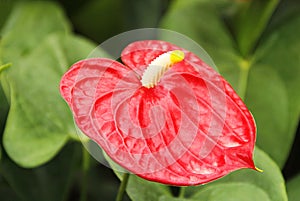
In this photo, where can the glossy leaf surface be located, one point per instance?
(39, 123)
(189, 129)
(48, 182)
(293, 188)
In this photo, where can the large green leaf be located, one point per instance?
(171, 198)
(143, 13)
(101, 182)
(140, 189)
(99, 20)
(250, 23)
(264, 87)
(94, 18)
(293, 188)
(202, 20)
(244, 185)
(28, 24)
(285, 11)
(5, 8)
(281, 52)
(34, 131)
(6, 192)
(232, 191)
(3, 110)
(39, 122)
(50, 182)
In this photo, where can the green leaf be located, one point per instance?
(127, 15)
(95, 19)
(251, 21)
(232, 191)
(264, 87)
(143, 13)
(281, 52)
(6, 192)
(170, 198)
(28, 24)
(101, 183)
(140, 189)
(5, 8)
(268, 185)
(31, 84)
(39, 122)
(3, 110)
(293, 188)
(50, 182)
(285, 11)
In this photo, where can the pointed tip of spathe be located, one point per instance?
(257, 169)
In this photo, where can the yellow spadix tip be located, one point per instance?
(176, 56)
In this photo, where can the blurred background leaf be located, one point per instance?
(250, 21)
(102, 183)
(3, 109)
(51, 181)
(100, 20)
(280, 51)
(34, 132)
(6, 192)
(271, 116)
(5, 8)
(143, 13)
(42, 18)
(293, 188)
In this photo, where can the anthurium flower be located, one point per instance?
(163, 114)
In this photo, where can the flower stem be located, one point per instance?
(85, 169)
(243, 78)
(181, 192)
(122, 187)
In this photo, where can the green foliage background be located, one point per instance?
(255, 45)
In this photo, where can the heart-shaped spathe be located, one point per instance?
(189, 129)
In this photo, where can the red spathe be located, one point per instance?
(191, 128)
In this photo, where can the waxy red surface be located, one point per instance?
(191, 128)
